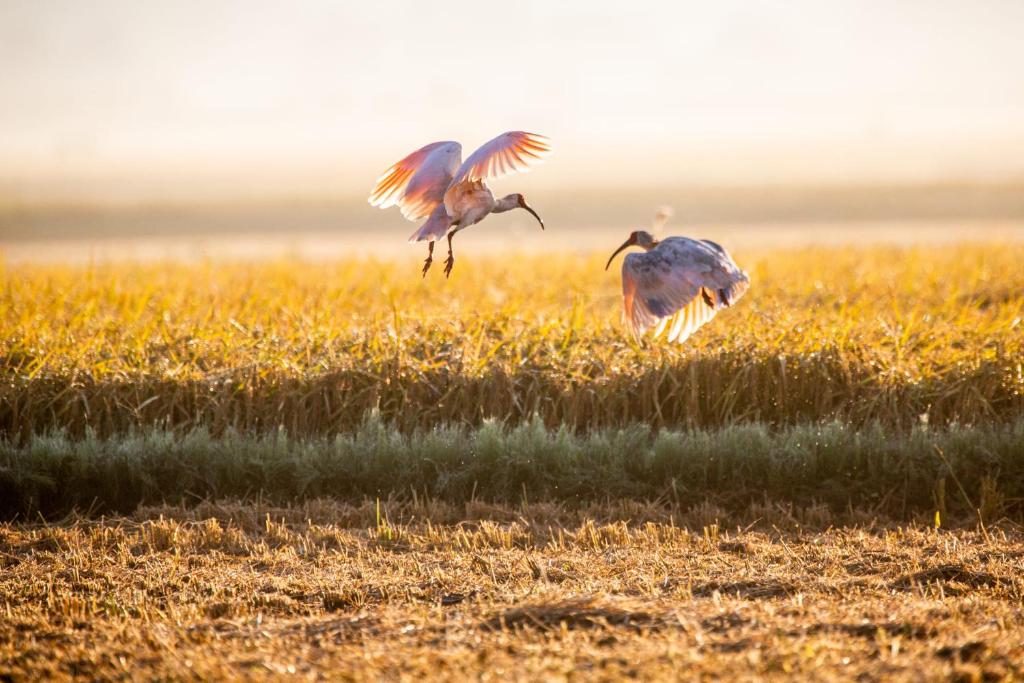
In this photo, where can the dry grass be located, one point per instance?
(876, 335)
(333, 591)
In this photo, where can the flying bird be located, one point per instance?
(435, 183)
(677, 284)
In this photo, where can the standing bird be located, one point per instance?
(434, 183)
(678, 284)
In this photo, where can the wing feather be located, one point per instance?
(511, 152)
(679, 286)
(417, 183)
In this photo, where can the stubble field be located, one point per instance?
(328, 591)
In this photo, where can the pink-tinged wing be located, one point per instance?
(508, 153)
(679, 286)
(417, 183)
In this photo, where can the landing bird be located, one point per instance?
(678, 284)
(434, 183)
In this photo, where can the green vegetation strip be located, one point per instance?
(958, 471)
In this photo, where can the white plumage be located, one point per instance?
(434, 183)
(677, 285)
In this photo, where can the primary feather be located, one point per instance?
(511, 152)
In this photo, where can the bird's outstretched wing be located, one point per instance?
(508, 153)
(678, 286)
(417, 183)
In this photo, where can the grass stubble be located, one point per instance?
(920, 347)
(528, 592)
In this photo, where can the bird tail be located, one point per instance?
(435, 228)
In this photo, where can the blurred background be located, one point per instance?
(192, 128)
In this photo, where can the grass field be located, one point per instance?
(887, 335)
(336, 469)
(973, 474)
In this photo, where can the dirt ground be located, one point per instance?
(532, 592)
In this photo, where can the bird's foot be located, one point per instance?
(448, 263)
(426, 264)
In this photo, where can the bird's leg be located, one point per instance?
(451, 257)
(429, 259)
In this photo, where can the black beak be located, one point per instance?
(534, 214)
(628, 243)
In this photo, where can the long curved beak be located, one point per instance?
(534, 215)
(628, 243)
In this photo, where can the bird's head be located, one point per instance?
(640, 238)
(521, 203)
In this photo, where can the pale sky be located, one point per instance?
(123, 99)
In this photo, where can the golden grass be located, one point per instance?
(526, 593)
(893, 335)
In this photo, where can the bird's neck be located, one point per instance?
(506, 203)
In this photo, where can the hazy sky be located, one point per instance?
(130, 99)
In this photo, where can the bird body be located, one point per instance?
(467, 203)
(677, 284)
(434, 183)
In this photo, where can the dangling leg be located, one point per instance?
(429, 259)
(451, 257)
